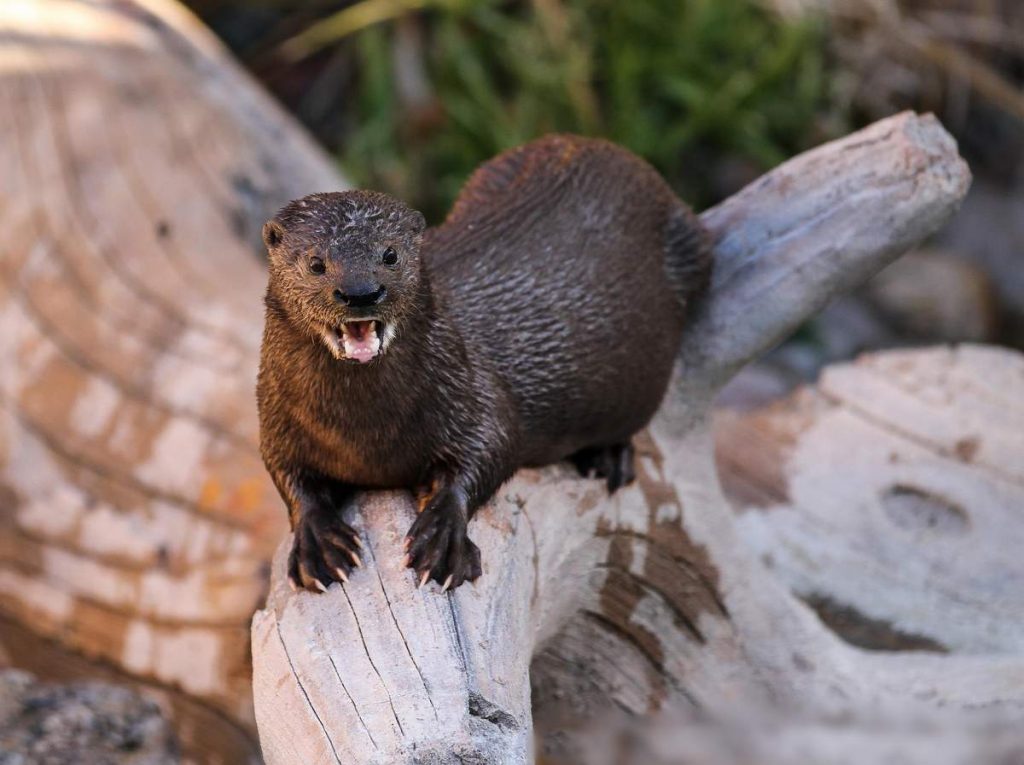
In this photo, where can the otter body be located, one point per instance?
(539, 322)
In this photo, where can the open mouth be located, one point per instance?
(358, 339)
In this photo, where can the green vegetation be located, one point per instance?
(683, 83)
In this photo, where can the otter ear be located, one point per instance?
(417, 223)
(272, 234)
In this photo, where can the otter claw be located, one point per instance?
(321, 550)
(440, 549)
(358, 541)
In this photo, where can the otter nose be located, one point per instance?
(360, 297)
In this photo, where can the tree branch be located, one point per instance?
(814, 227)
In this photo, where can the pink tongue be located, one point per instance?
(361, 342)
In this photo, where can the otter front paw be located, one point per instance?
(323, 551)
(438, 547)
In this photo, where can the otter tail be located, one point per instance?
(687, 254)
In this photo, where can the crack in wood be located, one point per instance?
(456, 630)
(298, 681)
(487, 710)
(369, 656)
(355, 706)
(521, 504)
(893, 429)
(401, 633)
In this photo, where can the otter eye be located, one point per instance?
(389, 257)
(317, 266)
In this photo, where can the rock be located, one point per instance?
(927, 296)
(87, 723)
(935, 296)
(989, 231)
(846, 327)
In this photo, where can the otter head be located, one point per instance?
(346, 268)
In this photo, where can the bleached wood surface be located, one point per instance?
(890, 494)
(647, 601)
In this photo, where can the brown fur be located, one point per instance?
(539, 322)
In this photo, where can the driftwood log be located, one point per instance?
(137, 522)
(646, 601)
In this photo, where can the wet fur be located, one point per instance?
(540, 321)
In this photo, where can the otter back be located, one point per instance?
(570, 265)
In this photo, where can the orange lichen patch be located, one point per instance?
(251, 493)
(211, 492)
(246, 492)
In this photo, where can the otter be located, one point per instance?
(539, 322)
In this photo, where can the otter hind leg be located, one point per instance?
(613, 463)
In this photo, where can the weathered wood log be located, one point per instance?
(138, 165)
(916, 540)
(648, 600)
(137, 521)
